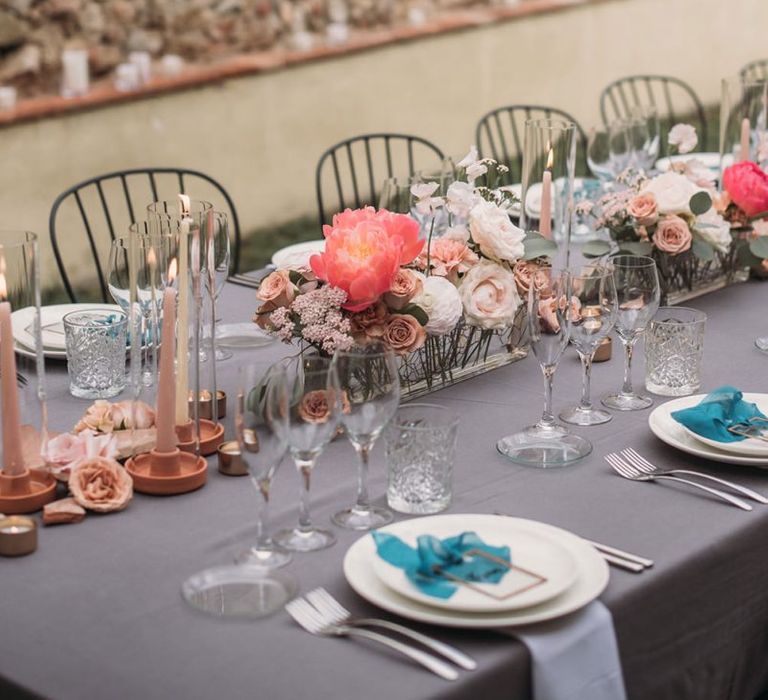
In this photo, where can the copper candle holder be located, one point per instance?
(211, 436)
(18, 536)
(231, 459)
(26, 492)
(167, 473)
(603, 352)
(205, 404)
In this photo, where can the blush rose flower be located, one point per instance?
(442, 304)
(747, 186)
(364, 249)
(404, 334)
(261, 317)
(314, 406)
(683, 136)
(673, 192)
(527, 271)
(100, 484)
(447, 258)
(123, 413)
(489, 295)
(644, 209)
(277, 288)
(67, 449)
(672, 235)
(98, 417)
(406, 285)
(493, 231)
(371, 322)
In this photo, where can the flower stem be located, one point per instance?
(363, 450)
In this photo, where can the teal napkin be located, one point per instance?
(448, 554)
(718, 410)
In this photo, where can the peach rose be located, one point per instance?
(489, 294)
(644, 209)
(406, 285)
(371, 323)
(404, 334)
(261, 317)
(98, 417)
(672, 235)
(314, 406)
(123, 414)
(448, 257)
(277, 288)
(548, 320)
(100, 484)
(527, 270)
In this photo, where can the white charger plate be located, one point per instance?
(711, 160)
(242, 335)
(668, 430)
(298, 254)
(591, 577)
(534, 551)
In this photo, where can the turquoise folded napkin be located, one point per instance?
(448, 554)
(717, 411)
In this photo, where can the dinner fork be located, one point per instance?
(627, 471)
(307, 616)
(336, 613)
(637, 460)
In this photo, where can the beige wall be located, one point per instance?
(261, 135)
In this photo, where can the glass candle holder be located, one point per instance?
(743, 116)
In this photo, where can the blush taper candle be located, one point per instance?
(13, 459)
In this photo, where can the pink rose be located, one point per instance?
(66, 450)
(747, 186)
(448, 257)
(672, 235)
(100, 484)
(404, 334)
(643, 209)
(406, 285)
(123, 415)
(527, 271)
(277, 288)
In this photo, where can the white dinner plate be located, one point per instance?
(709, 159)
(242, 335)
(533, 551)
(668, 430)
(591, 578)
(298, 254)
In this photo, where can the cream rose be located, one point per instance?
(489, 295)
(644, 209)
(714, 229)
(673, 192)
(442, 304)
(123, 413)
(404, 334)
(100, 484)
(277, 288)
(406, 285)
(496, 235)
(98, 417)
(672, 235)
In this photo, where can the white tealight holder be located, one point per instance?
(75, 79)
(417, 16)
(127, 77)
(337, 33)
(171, 65)
(143, 62)
(301, 41)
(7, 97)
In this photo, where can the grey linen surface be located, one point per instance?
(97, 613)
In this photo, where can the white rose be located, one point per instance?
(442, 304)
(489, 295)
(460, 198)
(684, 137)
(493, 231)
(714, 229)
(673, 192)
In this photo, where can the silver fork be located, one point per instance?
(336, 613)
(627, 471)
(637, 460)
(310, 619)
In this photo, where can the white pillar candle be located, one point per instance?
(171, 65)
(143, 62)
(127, 78)
(7, 97)
(75, 77)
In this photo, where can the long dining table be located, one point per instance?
(97, 612)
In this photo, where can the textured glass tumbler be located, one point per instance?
(96, 349)
(420, 445)
(674, 343)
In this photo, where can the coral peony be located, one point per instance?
(747, 186)
(364, 250)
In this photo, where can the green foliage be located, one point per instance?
(702, 250)
(536, 246)
(596, 249)
(417, 312)
(759, 246)
(700, 203)
(636, 247)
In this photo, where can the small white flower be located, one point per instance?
(460, 198)
(476, 170)
(442, 304)
(425, 203)
(762, 146)
(684, 137)
(469, 159)
(422, 190)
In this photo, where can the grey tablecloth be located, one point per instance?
(96, 612)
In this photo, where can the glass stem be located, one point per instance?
(363, 450)
(586, 379)
(547, 419)
(305, 467)
(147, 375)
(262, 488)
(628, 351)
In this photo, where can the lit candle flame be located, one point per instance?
(550, 158)
(184, 204)
(172, 271)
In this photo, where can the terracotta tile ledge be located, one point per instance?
(103, 93)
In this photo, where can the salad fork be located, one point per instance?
(307, 616)
(637, 460)
(626, 470)
(336, 613)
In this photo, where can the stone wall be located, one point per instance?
(33, 33)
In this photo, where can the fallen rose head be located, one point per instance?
(100, 484)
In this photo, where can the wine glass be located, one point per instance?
(599, 155)
(261, 417)
(313, 417)
(644, 135)
(396, 196)
(595, 293)
(550, 310)
(638, 294)
(215, 233)
(370, 390)
(619, 148)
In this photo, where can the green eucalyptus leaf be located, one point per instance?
(536, 246)
(746, 257)
(595, 249)
(703, 250)
(636, 247)
(759, 246)
(296, 278)
(700, 202)
(417, 312)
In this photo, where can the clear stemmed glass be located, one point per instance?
(761, 343)
(216, 270)
(261, 418)
(619, 147)
(599, 155)
(644, 135)
(638, 294)
(370, 389)
(595, 291)
(313, 418)
(550, 310)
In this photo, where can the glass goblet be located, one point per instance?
(370, 390)
(594, 295)
(599, 155)
(619, 147)
(547, 444)
(644, 135)
(638, 293)
(313, 417)
(261, 415)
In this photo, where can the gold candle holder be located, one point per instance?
(231, 459)
(206, 404)
(18, 536)
(603, 352)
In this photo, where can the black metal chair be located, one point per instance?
(109, 203)
(500, 134)
(377, 157)
(755, 70)
(674, 100)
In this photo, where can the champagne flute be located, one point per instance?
(619, 147)
(215, 232)
(261, 417)
(595, 293)
(599, 155)
(313, 416)
(370, 390)
(638, 293)
(550, 310)
(645, 135)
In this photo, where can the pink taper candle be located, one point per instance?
(545, 218)
(744, 155)
(13, 459)
(166, 383)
